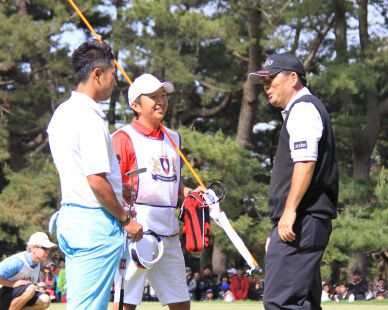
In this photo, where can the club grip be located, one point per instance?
(121, 303)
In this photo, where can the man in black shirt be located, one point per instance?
(303, 190)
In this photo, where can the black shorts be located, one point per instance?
(7, 294)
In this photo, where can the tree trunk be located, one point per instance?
(112, 108)
(340, 29)
(115, 94)
(364, 144)
(382, 266)
(335, 272)
(341, 46)
(361, 161)
(206, 257)
(357, 261)
(249, 99)
(22, 6)
(219, 259)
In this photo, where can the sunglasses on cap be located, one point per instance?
(43, 248)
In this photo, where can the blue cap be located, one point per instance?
(275, 64)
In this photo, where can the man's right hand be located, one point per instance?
(134, 230)
(129, 196)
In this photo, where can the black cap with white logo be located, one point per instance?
(275, 64)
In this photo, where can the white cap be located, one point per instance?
(232, 271)
(40, 239)
(141, 255)
(147, 84)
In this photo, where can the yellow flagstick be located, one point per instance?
(98, 38)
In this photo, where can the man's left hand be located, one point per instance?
(285, 224)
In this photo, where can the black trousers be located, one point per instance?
(292, 270)
(8, 294)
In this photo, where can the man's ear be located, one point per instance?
(96, 74)
(295, 78)
(136, 106)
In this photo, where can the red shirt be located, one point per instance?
(125, 151)
(239, 287)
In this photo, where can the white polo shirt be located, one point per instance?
(304, 126)
(81, 146)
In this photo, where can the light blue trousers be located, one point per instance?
(92, 240)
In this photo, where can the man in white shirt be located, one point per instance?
(91, 219)
(303, 191)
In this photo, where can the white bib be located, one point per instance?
(27, 272)
(157, 192)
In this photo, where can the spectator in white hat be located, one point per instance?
(19, 273)
(231, 272)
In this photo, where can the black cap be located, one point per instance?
(275, 64)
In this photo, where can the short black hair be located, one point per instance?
(90, 55)
(344, 283)
(301, 77)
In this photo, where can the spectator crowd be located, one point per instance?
(52, 281)
(233, 284)
(357, 289)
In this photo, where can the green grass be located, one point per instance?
(249, 305)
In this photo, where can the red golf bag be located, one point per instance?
(195, 216)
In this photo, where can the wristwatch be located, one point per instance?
(127, 219)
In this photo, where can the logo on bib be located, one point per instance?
(163, 169)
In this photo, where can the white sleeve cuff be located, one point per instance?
(304, 158)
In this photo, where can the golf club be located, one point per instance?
(131, 174)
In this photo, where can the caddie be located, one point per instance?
(143, 144)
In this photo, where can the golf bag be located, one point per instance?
(195, 215)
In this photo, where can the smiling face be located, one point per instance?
(152, 108)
